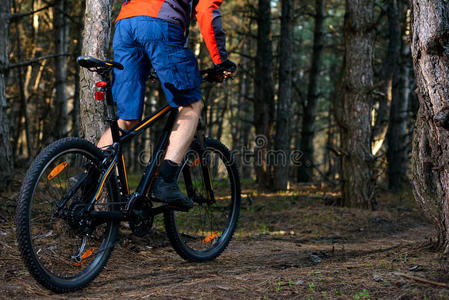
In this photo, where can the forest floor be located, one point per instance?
(289, 245)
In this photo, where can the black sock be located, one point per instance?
(168, 170)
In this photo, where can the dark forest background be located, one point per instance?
(331, 79)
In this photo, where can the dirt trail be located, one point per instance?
(302, 249)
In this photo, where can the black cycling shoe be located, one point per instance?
(168, 192)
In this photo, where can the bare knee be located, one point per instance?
(197, 107)
(127, 124)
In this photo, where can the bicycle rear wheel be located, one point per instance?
(59, 247)
(205, 231)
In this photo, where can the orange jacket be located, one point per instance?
(180, 12)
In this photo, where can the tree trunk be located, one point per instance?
(221, 111)
(23, 112)
(23, 101)
(305, 173)
(389, 70)
(332, 157)
(96, 36)
(298, 106)
(244, 112)
(237, 112)
(263, 95)
(61, 47)
(76, 97)
(358, 183)
(430, 142)
(6, 157)
(282, 138)
(397, 138)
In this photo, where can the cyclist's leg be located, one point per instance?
(128, 88)
(106, 138)
(165, 187)
(183, 131)
(180, 79)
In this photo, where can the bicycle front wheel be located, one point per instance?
(58, 243)
(210, 177)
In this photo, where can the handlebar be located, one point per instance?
(207, 71)
(213, 75)
(93, 64)
(209, 75)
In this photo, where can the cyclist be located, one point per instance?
(154, 33)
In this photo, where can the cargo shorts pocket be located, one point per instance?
(184, 69)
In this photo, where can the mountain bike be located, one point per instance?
(75, 195)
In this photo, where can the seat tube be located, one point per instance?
(157, 155)
(111, 118)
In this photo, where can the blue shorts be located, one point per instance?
(140, 42)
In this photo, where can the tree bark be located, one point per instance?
(244, 111)
(23, 99)
(6, 156)
(332, 157)
(397, 137)
(305, 173)
(430, 23)
(263, 95)
(96, 36)
(389, 70)
(76, 97)
(61, 47)
(358, 183)
(282, 138)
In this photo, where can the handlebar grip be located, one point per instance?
(216, 74)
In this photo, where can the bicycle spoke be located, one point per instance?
(56, 239)
(207, 222)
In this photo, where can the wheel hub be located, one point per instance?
(75, 216)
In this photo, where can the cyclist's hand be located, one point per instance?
(222, 71)
(228, 67)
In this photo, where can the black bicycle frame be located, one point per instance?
(121, 137)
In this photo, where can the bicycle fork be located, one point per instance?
(200, 136)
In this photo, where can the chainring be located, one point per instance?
(139, 224)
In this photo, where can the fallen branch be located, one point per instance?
(16, 16)
(34, 60)
(68, 16)
(419, 279)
